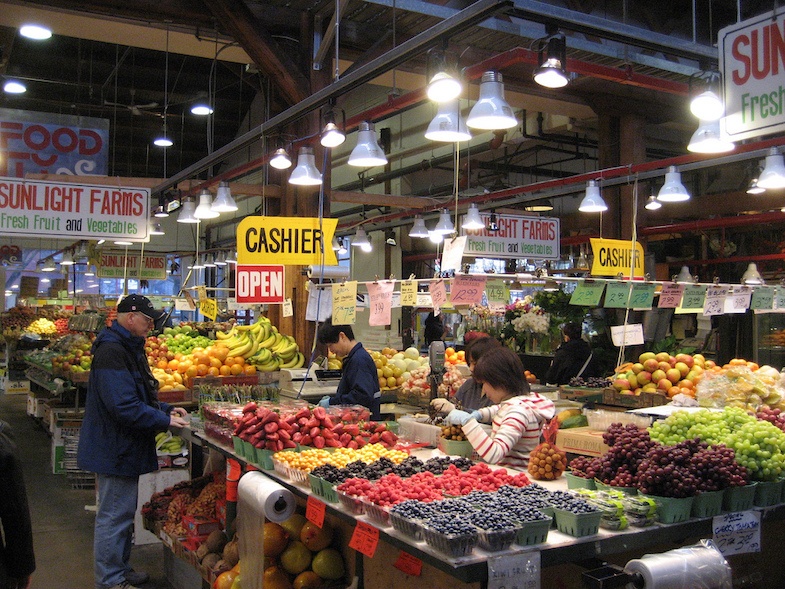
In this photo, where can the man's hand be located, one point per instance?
(179, 411)
(177, 421)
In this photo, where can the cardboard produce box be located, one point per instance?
(581, 440)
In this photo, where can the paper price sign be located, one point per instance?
(715, 300)
(453, 253)
(345, 303)
(627, 335)
(314, 511)
(737, 533)
(381, 302)
(497, 291)
(762, 298)
(201, 292)
(467, 290)
(209, 308)
(670, 296)
(411, 565)
(365, 538)
(438, 294)
(738, 301)
(780, 299)
(642, 296)
(616, 295)
(587, 294)
(515, 571)
(288, 309)
(408, 293)
(693, 297)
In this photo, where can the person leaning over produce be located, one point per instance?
(469, 395)
(359, 384)
(117, 438)
(517, 416)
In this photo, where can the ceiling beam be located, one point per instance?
(380, 200)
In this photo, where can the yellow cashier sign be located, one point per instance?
(615, 256)
(285, 240)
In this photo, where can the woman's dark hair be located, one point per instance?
(572, 330)
(479, 346)
(501, 368)
(329, 333)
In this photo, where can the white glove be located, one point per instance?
(442, 405)
(457, 417)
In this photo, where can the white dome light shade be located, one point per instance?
(361, 239)
(163, 141)
(491, 111)
(334, 244)
(673, 190)
(224, 203)
(68, 258)
(707, 106)
(684, 275)
(444, 226)
(332, 136)
(418, 229)
(708, 139)
(751, 275)
(552, 69)
(201, 110)
(220, 258)
(653, 204)
(447, 125)
(305, 172)
(367, 152)
(472, 219)
(231, 257)
(49, 265)
(436, 236)
(281, 159)
(35, 32)
(773, 174)
(205, 208)
(444, 87)
(539, 206)
(754, 188)
(156, 229)
(592, 202)
(14, 87)
(187, 212)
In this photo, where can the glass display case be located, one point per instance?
(769, 339)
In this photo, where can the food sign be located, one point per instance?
(515, 236)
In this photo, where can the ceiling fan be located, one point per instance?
(136, 109)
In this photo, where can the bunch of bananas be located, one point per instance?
(166, 443)
(262, 345)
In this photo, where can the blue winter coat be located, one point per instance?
(122, 411)
(359, 384)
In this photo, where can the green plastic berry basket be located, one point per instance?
(461, 448)
(264, 459)
(248, 451)
(496, 540)
(316, 485)
(739, 498)
(576, 482)
(600, 486)
(707, 504)
(533, 532)
(671, 510)
(329, 493)
(454, 545)
(238, 446)
(577, 524)
(768, 493)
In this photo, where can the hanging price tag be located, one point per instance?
(438, 294)
(345, 303)
(314, 511)
(201, 292)
(693, 297)
(408, 293)
(514, 571)
(715, 300)
(738, 301)
(497, 291)
(288, 309)
(380, 294)
(762, 298)
(453, 253)
(616, 295)
(411, 565)
(627, 335)
(779, 300)
(365, 538)
(670, 296)
(587, 294)
(737, 533)
(209, 308)
(642, 296)
(467, 290)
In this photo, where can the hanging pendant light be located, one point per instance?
(751, 275)
(753, 188)
(684, 275)
(443, 80)
(652, 204)
(708, 139)
(361, 240)
(341, 247)
(81, 252)
(332, 134)
(334, 244)
(14, 87)
(367, 152)
(493, 223)
(436, 236)
(220, 258)
(231, 257)
(491, 111)
(418, 229)
(156, 229)
(592, 202)
(68, 258)
(539, 206)
(207, 260)
(197, 265)
(773, 174)
(447, 125)
(205, 208)
(200, 109)
(281, 159)
(163, 140)
(472, 220)
(444, 225)
(551, 71)
(224, 203)
(305, 172)
(160, 212)
(673, 190)
(187, 212)
(706, 104)
(49, 265)
(35, 32)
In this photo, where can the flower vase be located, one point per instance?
(529, 343)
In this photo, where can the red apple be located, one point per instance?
(651, 364)
(673, 375)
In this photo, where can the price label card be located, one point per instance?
(201, 292)
(452, 256)
(320, 303)
(762, 298)
(617, 294)
(209, 308)
(738, 301)
(314, 511)
(587, 294)
(627, 335)
(288, 309)
(496, 307)
(693, 297)
(381, 302)
(737, 533)
(345, 303)
(411, 565)
(515, 571)
(642, 296)
(670, 295)
(497, 291)
(779, 299)
(467, 290)
(438, 292)
(408, 293)
(365, 538)
(715, 300)
(190, 300)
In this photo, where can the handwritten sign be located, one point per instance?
(693, 297)
(201, 292)
(587, 294)
(670, 296)
(288, 309)
(410, 565)
(365, 538)
(779, 300)
(381, 302)
(739, 300)
(209, 308)
(762, 298)
(438, 294)
(314, 511)
(627, 335)
(497, 291)
(617, 294)
(514, 571)
(467, 290)
(452, 256)
(737, 533)
(642, 295)
(715, 300)
(345, 303)
(408, 293)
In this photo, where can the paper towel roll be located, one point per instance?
(695, 567)
(328, 272)
(266, 497)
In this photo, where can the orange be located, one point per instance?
(201, 358)
(179, 356)
(184, 366)
(191, 371)
(213, 371)
(225, 370)
(162, 363)
(239, 360)
(215, 363)
(249, 369)
(174, 364)
(219, 351)
(201, 369)
(236, 369)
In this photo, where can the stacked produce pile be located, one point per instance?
(661, 373)
(742, 384)
(220, 420)
(158, 511)
(73, 354)
(263, 346)
(45, 322)
(298, 464)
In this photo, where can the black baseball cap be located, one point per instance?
(139, 304)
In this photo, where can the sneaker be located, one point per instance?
(136, 577)
(123, 585)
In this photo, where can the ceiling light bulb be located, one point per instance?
(334, 244)
(773, 174)
(14, 87)
(163, 141)
(436, 236)
(281, 159)
(207, 261)
(220, 259)
(156, 229)
(751, 275)
(444, 87)
(673, 190)
(592, 202)
(653, 204)
(444, 225)
(341, 247)
(539, 206)
(205, 208)
(160, 212)
(472, 220)
(754, 188)
(493, 223)
(332, 136)
(360, 238)
(224, 203)
(448, 125)
(35, 32)
(201, 110)
(367, 152)
(418, 229)
(366, 247)
(491, 111)
(552, 69)
(707, 106)
(305, 172)
(231, 257)
(708, 139)
(187, 212)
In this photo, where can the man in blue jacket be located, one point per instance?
(359, 384)
(117, 438)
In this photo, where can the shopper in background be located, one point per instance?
(573, 358)
(359, 384)
(434, 328)
(17, 560)
(517, 416)
(469, 396)
(117, 438)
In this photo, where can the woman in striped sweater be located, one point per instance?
(517, 416)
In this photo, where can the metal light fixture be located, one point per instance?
(539, 206)
(334, 244)
(35, 32)
(491, 111)
(773, 174)
(706, 104)
(305, 172)
(472, 220)
(14, 87)
(198, 264)
(207, 260)
(281, 159)
(653, 204)
(592, 201)
(81, 252)
(332, 134)
(163, 139)
(708, 139)
(493, 223)
(367, 152)
(201, 109)
(187, 212)
(684, 275)
(582, 263)
(49, 265)
(160, 212)
(443, 81)
(551, 69)
(68, 258)
(361, 240)
(751, 275)
(418, 229)
(448, 125)
(436, 236)
(205, 208)
(156, 229)
(224, 203)
(231, 257)
(753, 187)
(341, 247)
(220, 258)
(390, 238)
(444, 225)
(550, 285)
(673, 190)
(90, 270)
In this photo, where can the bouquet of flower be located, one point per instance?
(523, 318)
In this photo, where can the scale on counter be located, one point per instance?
(314, 383)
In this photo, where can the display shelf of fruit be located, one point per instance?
(741, 384)
(74, 358)
(453, 358)
(775, 339)
(393, 368)
(661, 373)
(452, 380)
(262, 346)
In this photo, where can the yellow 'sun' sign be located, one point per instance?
(286, 240)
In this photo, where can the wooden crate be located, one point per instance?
(614, 397)
(583, 394)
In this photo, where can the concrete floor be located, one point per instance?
(62, 527)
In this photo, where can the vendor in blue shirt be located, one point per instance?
(359, 384)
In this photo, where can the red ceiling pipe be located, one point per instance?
(718, 223)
